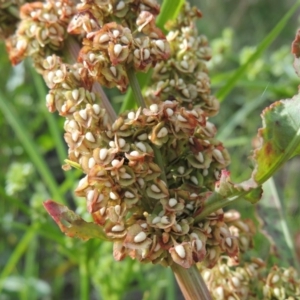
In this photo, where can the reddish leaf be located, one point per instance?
(72, 224)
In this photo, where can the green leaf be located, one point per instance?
(280, 141)
(280, 137)
(71, 224)
(273, 222)
(168, 11)
(230, 83)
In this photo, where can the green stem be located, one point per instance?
(137, 94)
(84, 278)
(135, 87)
(191, 283)
(215, 202)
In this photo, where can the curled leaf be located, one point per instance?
(71, 224)
(280, 137)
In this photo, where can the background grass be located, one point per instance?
(37, 261)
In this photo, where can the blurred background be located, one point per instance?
(38, 262)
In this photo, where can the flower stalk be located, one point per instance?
(191, 283)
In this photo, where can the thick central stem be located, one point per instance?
(191, 283)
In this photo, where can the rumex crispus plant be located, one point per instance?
(154, 176)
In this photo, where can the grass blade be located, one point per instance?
(30, 147)
(274, 222)
(168, 11)
(230, 83)
(17, 254)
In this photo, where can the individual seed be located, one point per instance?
(154, 108)
(134, 153)
(212, 254)
(155, 188)
(181, 118)
(162, 133)
(184, 64)
(146, 54)
(100, 198)
(118, 209)
(180, 170)
(200, 157)
(104, 38)
(113, 70)
(113, 196)
(75, 136)
(118, 49)
(199, 244)
(117, 228)
(140, 237)
(157, 247)
(96, 108)
(172, 202)
(112, 144)
(194, 180)
(141, 146)
(103, 153)
(126, 176)
(115, 162)
(75, 94)
(72, 124)
(90, 195)
(142, 137)
(193, 235)
(144, 225)
(141, 182)
(218, 155)
(59, 74)
(186, 93)
(169, 112)
(120, 5)
(180, 251)
(91, 162)
(131, 115)
(235, 281)
(124, 40)
(156, 220)
(121, 142)
(129, 194)
(275, 278)
(92, 57)
(102, 211)
(228, 241)
(116, 33)
(136, 53)
(83, 114)
(160, 44)
(220, 292)
(189, 206)
(89, 136)
(165, 220)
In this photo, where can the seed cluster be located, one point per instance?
(250, 281)
(118, 35)
(145, 216)
(148, 173)
(42, 30)
(184, 75)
